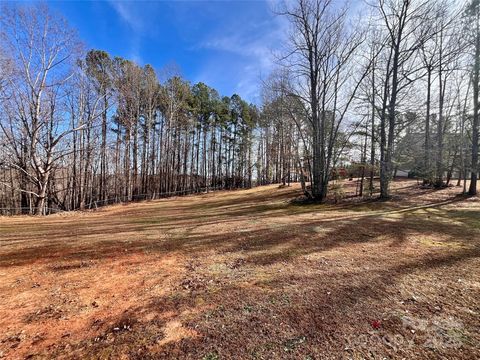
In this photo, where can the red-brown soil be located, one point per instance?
(246, 275)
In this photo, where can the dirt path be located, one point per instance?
(246, 274)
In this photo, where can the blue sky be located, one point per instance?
(229, 45)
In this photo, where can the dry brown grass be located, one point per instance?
(245, 275)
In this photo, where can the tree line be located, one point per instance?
(396, 88)
(82, 129)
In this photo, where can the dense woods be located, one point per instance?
(393, 89)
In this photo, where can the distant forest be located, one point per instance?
(395, 88)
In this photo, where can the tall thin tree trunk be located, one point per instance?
(476, 78)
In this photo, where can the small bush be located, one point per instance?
(337, 191)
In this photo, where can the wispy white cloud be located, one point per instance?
(135, 22)
(255, 46)
(128, 14)
(238, 49)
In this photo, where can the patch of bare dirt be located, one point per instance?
(246, 274)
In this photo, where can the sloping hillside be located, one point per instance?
(246, 274)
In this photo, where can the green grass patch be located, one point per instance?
(468, 217)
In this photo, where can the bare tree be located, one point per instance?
(473, 19)
(320, 55)
(42, 49)
(406, 27)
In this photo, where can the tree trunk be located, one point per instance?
(427, 173)
(474, 169)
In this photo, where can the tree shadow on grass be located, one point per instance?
(323, 307)
(315, 305)
(291, 239)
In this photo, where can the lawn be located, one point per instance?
(246, 274)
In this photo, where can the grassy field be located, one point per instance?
(246, 275)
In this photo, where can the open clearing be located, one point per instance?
(245, 275)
